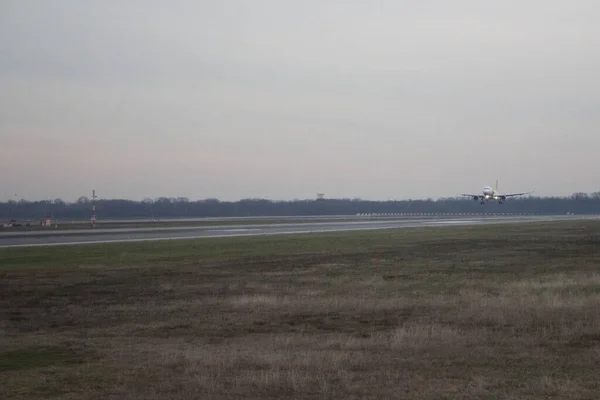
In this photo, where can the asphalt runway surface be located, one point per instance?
(78, 237)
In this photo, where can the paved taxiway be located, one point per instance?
(53, 238)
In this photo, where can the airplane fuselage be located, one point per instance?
(490, 193)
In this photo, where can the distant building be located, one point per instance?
(320, 196)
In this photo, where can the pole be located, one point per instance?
(93, 208)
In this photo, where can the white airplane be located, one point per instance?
(492, 194)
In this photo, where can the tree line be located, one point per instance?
(181, 207)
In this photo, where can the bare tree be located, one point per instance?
(150, 204)
(579, 196)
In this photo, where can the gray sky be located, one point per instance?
(284, 99)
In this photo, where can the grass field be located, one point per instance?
(500, 311)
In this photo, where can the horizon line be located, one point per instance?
(186, 199)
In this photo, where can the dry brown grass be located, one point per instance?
(448, 313)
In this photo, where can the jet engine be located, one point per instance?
(475, 198)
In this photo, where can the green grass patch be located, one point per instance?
(36, 357)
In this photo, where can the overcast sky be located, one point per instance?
(286, 99)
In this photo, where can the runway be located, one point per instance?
(95, 236)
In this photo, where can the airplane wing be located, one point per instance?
(516, 194)
(470, 195)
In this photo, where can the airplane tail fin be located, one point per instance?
(496, 185)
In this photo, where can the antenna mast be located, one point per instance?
(93, 219)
